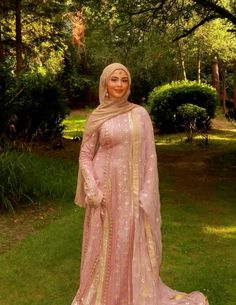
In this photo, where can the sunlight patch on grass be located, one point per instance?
(225, 137)
(74, 127)
(213, 137)
(227, 129)
(222, 231)
(170, 139)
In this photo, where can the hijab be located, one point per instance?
(108, 108)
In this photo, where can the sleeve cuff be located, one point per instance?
(94, 200)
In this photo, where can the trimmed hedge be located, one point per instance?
(163, 102)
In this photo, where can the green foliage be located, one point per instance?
(74, 127)
(6, 80)
(27, 177)
(39, 106)
(163, 102)
(42, 29)
(74, 79)
(16, 181)
(189, 113)
(193, 118)
(128, 35)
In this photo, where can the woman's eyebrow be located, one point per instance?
(117, 77)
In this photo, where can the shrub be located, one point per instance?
(6, 81)
(193, 118)
(39, 106)
(188, 113)
(163, 102)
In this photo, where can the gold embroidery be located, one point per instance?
(150, 245)
(89, 187)
(134, 176)
(134, 162)
(102, 260)
(107, 230)
(95, 285)
(178, 296)
(130, 298)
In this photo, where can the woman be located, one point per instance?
(118, 185)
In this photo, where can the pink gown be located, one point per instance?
(121, 253)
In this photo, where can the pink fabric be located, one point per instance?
(122, 249)
(106, 110)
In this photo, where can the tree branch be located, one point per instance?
(146, 10)
(223, 13)
(188, 32)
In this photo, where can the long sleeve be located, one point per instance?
(88, 192)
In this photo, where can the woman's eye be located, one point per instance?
(117, 80)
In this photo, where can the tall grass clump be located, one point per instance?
(27, 177)
(13, 186)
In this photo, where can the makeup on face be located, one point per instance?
(118, 84)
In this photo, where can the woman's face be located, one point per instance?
(118, 84)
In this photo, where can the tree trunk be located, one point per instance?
(182, 63)
(224, 87)
(215, 75)
(1, 45)
(199, 65)
(235, 84)
(19, 58)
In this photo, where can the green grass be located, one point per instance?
(74, 124)
(28, 177)
(199, 225)
(200, 245)
(44, 268)
(197, 186)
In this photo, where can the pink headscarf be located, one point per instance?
(108, 108)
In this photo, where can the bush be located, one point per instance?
(193, 118)
(39, 106)
(6, 81)
(188, 113)
(26, 177)
(163, 102)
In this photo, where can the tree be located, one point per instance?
(234, 83)
(19, 58)
(220, 10)
(170, 10)
(31, 28)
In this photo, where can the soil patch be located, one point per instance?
(27, 220)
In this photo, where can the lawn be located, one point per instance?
(197, 186)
